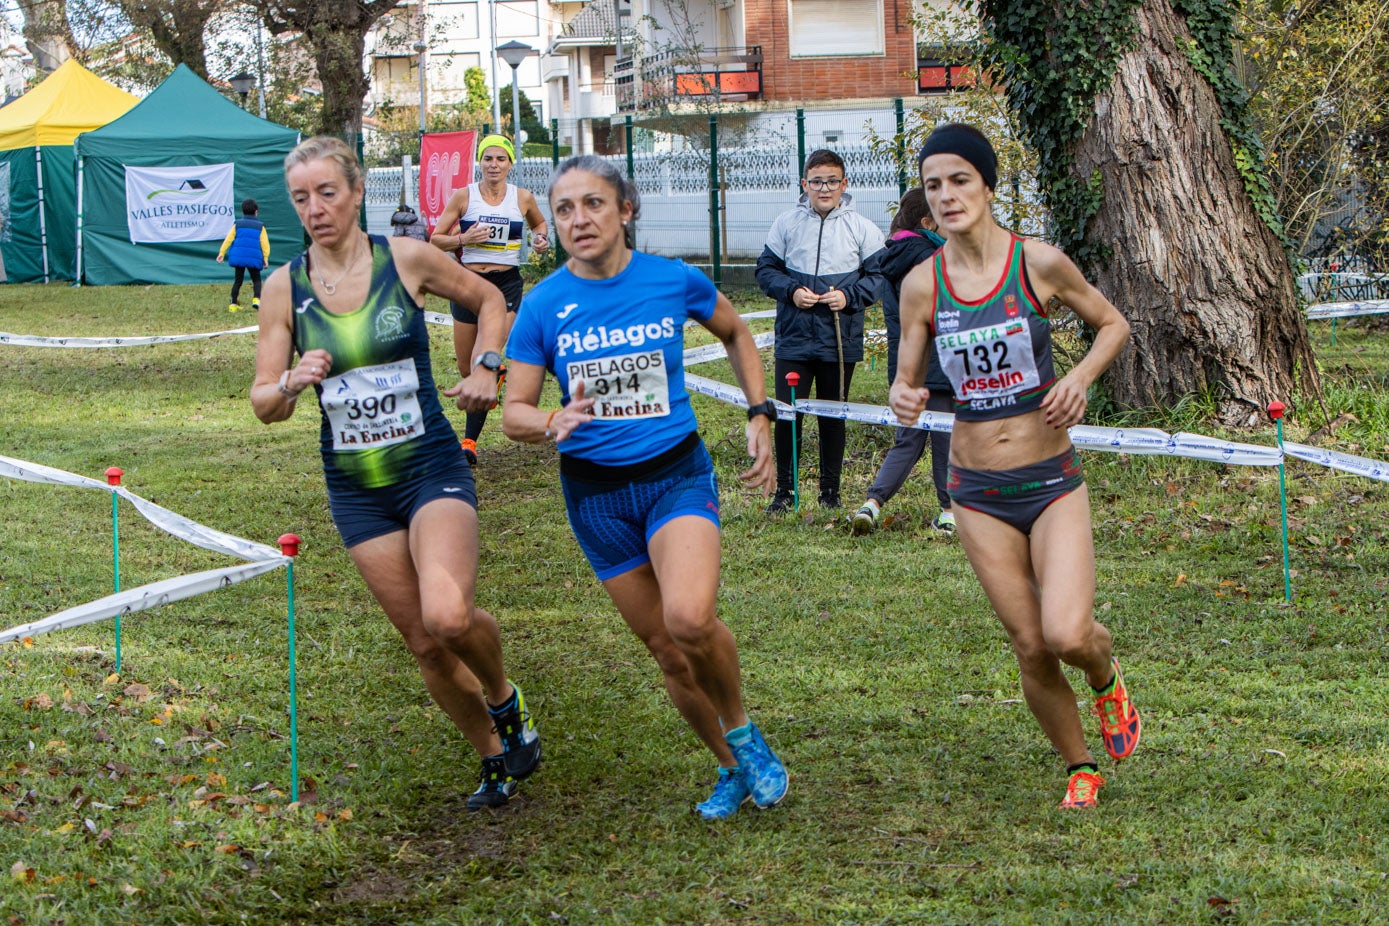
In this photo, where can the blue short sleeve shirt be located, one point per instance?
(624, 338)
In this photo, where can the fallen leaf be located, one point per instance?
(345, 814)
(227, 850)
(39, 702)
(130, 890)
(138, 691)
(1180, 579)
(21, 872)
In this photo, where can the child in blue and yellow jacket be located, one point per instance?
(246, 247)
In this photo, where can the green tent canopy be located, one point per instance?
(183, 134)
(38, 215)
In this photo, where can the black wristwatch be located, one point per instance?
(767, 408)
(490, 360)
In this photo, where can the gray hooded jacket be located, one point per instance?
(837, 251)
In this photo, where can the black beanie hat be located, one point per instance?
(967, 142)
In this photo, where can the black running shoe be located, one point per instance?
(520, 741)
(829, 499)
(496, 788)
(780, 504)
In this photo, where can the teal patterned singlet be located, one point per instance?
(382, 421)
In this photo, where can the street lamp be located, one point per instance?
(513, 53)
(241, 84)
(420, 48)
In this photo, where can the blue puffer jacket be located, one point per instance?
(840, 251)
(245, 247)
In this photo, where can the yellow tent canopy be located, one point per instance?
(38, 209)
(70, 101)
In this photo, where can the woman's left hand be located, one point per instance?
(762, 474)
(540, 241)
(1065, 405)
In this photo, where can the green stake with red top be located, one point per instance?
(1275, 411)
(289, 546)
(113, 478)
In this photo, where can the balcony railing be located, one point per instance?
(719, 75)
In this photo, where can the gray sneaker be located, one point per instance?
(865, 520)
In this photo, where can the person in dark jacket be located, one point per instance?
(406, 223)
(820, 265)
(246, 247)
(912, 240)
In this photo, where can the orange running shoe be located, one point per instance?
(1082, 791)
(469, 450)
(1120, 725)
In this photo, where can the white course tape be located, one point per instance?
(1347, 309)
(146, 596)
(716, 351)
(175, 524)
(1360, 466)
(25, 340)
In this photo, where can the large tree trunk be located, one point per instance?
(176, 26)
(1206, 285)
(336, 32)
(47, 34)
(337, 55)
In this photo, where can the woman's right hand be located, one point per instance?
(312, 369)
(476, 234)
(577, 412)
(907, 403)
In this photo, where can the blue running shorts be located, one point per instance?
(616, 510)
(364, 514)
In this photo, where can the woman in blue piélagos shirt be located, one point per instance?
(638, 483)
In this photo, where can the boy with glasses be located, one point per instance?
(820, 264)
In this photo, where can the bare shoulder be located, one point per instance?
(1047, 261)
(277, 284)
(920, 282)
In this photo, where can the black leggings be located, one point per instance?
(824, 375)
(240, 275)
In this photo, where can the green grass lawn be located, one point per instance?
(923, 791)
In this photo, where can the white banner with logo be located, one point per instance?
(192, 203)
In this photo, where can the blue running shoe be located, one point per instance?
(520, 741)
(730, 793)
(763, 773)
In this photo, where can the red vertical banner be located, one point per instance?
(446, 164)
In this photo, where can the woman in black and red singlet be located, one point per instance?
(1021, 506)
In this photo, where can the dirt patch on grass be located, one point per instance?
(446, 839)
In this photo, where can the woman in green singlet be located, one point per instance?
(402, 496)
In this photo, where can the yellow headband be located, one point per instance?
(496, 141)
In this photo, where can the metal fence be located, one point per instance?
(709, 192)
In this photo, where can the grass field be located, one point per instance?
(923, 790)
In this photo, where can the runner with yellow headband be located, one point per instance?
(483, 224)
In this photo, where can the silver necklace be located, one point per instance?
(332, 288)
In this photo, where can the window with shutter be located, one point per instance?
(827, 28)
